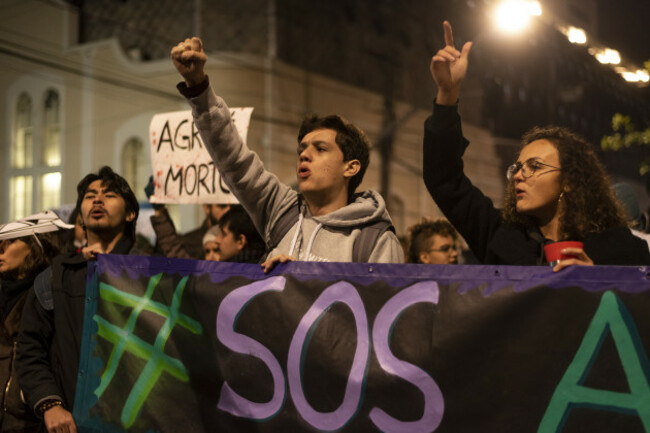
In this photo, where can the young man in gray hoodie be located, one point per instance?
(332, 159)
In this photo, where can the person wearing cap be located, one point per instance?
(26, 248)
(182, 246)
(49, 341)
(210, 245)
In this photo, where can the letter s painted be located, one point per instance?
(433, 400)
(229, 310)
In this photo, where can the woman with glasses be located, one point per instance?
(557, 189)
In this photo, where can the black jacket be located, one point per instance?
(480, 223)
(15, 415)
(49, 342)
(171, 244)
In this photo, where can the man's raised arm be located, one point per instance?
(260, 192)
(189, 59)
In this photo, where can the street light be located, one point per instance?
(638, 76)
(512, 16)
(576, 35)
(606, 56)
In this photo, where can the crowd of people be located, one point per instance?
(556, 190)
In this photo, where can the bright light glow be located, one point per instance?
(534, 8)
(608, 56)
(512, 16)
(20, 197)
(639, 76)
(643, 75)
(576, 35)
(50, 190)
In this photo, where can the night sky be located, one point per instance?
(625, 26)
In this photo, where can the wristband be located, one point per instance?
(47, 405)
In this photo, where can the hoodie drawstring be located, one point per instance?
(295, 235)
(311, 240)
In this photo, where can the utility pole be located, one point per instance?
(196, 18)
(385, 144)
(269, 64)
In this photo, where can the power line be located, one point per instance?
(124, 84)
(78, 72)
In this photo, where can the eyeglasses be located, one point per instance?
(528, 168)
(443, 249)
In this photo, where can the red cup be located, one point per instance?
(553, 252)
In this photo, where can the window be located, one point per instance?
(21, 152)
(50, 188)
(20, 199)
(51, 156)
(135, 167)
(35, 156)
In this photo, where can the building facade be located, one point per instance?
(70, 107)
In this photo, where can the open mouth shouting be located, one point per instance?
(97, 212)
(519, 192)
(303, 171)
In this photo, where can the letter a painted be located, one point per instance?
(165, 137)
(613, 317)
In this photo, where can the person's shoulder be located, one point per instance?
(135, 251)
(642, 235)
(617, 246)
(68, 259)
(387, 247)
(196, 232)
(619, 233)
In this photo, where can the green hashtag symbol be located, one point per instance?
(124, 340)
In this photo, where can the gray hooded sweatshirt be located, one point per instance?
(327, 238)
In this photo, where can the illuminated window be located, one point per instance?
(20, 197)
(34, 166)
(50, 196)
(21, 151)
(135, 167)
(51, 155)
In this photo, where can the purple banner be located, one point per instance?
(182, 345)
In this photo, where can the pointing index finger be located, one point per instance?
(449, 35)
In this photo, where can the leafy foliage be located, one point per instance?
(625, 136)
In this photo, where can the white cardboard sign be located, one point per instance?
(183, 171)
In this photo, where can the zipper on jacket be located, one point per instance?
(11, 369)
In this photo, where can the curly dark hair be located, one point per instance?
(352, 141)
(588, 202)
(420, 235)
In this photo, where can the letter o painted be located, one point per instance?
(347, 294)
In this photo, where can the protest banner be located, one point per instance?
(182, 168)
(181, 345)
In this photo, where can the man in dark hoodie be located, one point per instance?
(332, 158)
(50, 336)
